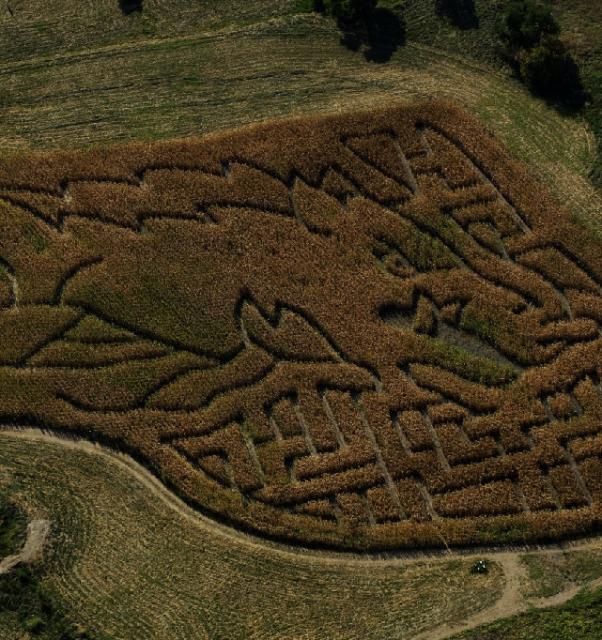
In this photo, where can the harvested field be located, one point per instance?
(368, 331)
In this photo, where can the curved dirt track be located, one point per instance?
(511, 602)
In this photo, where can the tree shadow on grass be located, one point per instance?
(130, 6)
(381, 35)
(569, 102)
(461, 13)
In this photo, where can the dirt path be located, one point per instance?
(37, 532)
(511, 602)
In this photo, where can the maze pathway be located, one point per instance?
(366, 331)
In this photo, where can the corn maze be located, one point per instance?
(368, 331)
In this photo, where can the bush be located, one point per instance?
(130, 6)
(524, 22)
(549, 69)
(12, 527)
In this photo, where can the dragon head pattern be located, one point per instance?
(367, 331)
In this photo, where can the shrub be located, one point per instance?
(12, 527)
(549, 69)
(524, 22)
(130, 6)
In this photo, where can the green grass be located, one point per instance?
(552, 573)
(579, 619)
(12, 527)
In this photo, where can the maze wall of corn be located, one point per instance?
(372, 331)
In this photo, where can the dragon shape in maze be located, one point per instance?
(300, 435)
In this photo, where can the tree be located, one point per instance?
(550, 70)
(524, 22)
(351, 11)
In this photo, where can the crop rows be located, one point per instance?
(365, 331)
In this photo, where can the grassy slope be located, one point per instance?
(73, 77)
(581, 619)
(116, 564)
(581, 23)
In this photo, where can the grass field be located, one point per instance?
(114, 533)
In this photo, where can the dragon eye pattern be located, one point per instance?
(370, 331)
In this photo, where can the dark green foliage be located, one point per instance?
(22, 592)
(12, 528)
(130, 6)
(307, 6)
(480, 566)
(524, 22)
(364, 24)
(351, 11)
(37, 609)
(529, 33)
(550, 70)
(461, 13)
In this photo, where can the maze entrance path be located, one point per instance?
(369, 331)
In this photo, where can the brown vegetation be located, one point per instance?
(367, 331)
